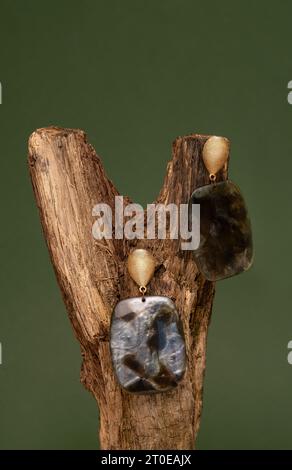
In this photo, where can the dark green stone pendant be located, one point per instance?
(225, 231)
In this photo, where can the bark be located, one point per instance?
(68, 180)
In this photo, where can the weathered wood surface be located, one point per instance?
(68, 180)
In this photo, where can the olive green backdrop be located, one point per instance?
(134, 74)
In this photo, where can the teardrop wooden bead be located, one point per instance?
(141, 266)
(215, 153)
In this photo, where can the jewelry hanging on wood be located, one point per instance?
(225, 247)
(146, 338)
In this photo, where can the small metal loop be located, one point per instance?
(143, 290)
(212, 177)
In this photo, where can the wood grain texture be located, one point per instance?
(68, 180)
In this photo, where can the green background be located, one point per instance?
(134, 75)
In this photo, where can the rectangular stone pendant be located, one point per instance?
(147, 344)
(225, 232)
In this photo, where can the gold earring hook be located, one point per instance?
(215, 155)
(141, 267)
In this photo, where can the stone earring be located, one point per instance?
(225, 247)
(146, 338)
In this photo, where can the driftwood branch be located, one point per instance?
(68, 180)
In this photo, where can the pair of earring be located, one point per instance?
(146, 340)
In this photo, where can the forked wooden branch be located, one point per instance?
(68, 181)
